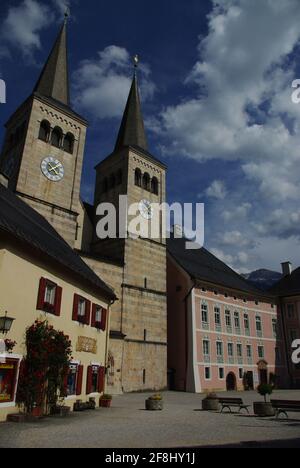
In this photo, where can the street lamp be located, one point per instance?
(5, 324)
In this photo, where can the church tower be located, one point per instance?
(44, 144)
(140, 316)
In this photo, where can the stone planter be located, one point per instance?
(105, 403)
(263, 409)
(154, 405)
(209, 404)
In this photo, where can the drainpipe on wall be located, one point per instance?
(106, 342)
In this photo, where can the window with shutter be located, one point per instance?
(101, 379)
(89, 382)
(103, 319)
(49, 297)
(79, 380)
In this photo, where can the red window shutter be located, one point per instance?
(41, 294)
(101, 379)
(75, 307)
(66, 381)
(94, 309)
(88, 312)
(58, 297)
(103, 319)
(79, 380)
(89, 381)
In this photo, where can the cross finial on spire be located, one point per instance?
(136, 61)
(67, 13)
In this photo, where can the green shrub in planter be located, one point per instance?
(264, 409)
(265, 390)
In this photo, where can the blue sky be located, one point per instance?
(216, 87)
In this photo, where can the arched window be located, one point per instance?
(44, 131)
(69, 143)
(146, 181)
(105, 185)
(112, 181)
(138, 178)
(154, 186)
(119, 177)
(56, 137)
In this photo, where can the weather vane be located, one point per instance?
(136, 61)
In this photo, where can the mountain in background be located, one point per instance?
(263, 279)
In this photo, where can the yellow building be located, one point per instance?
(41, 277)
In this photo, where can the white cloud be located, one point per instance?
(242, 111)
(217, 190)
(102, 84)
(237, 213)
(23, 23)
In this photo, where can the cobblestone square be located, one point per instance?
(181, 424)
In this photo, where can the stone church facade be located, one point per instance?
(42, 157)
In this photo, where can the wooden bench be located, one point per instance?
(285, 407)
(233, 403)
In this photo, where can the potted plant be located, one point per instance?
(264, 408)
(211, 403)
(155, 403)
(9, 345)
(105, 401)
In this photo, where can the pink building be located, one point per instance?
(223, 333)
(288, 291)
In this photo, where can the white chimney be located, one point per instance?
(287, 268)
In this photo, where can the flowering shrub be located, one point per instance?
(45, 368)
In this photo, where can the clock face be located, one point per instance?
(146, 209)
(52, 169)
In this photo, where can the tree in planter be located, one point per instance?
(44, 369)
(265, 390)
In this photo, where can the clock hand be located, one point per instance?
(53, 169)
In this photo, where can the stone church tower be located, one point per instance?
(136, 268)
(44, 144)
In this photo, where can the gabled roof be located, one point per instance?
(132, 130)
(25, 224)
(54, 79)
(202, 265)
(288, 286)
